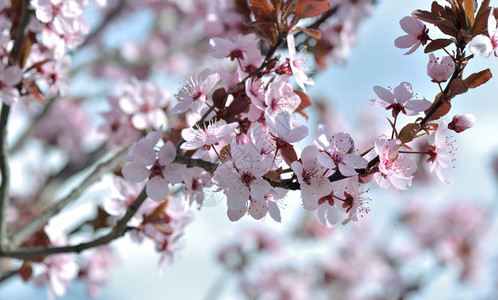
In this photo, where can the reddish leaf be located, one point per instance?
(437, 44)
(289, 154)
(305, 102)
(225, 153)
(240, 104)
(442, 110)
(457, 87)
(265, 16)
(477, 79)
(24, 51)
(447, 27)
(469, 11)
(311, 8)
(38, 95)
(314, 33)
(219, 98)
(100, 220)
(25, 271)
(156, 213)
(481, 20)
(426, 16)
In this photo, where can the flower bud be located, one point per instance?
(462, 122)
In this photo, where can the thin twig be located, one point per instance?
(118, 231)
(4, 116)
(20, 236)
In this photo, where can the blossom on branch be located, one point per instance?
(440, 71)
(483, 45)
(194, 94)
(441, 151)
(208, 136)
(417, 34)
(400, 100)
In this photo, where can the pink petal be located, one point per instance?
(157, 188)
(135, 172)
(384, 94)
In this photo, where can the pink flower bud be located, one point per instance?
(440, 72)
(462, 122)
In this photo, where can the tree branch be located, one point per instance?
(19, 237)
(118, 231)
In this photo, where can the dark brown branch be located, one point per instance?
(118, 231)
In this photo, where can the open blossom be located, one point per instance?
(148, 164)
(240, 178)
(484, 45)
(400, 100)
(441, 151)
(283, 132)
(440, 72)
(312, 177)
(194, 93)
(124, 194)
(234, 49)
(204, 138)
(281, 97)
(97, 270)
(145, 103)
(416, 34)
(338, 152)
(299, 64)
(462, 122)
(394, 168)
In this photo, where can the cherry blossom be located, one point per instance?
(145, 103)
(97, 270)
(299, 64)
(240, 178)
(394, 169)
(234, 49)
(440, 72)
(283, 132)
(484, 45)
(117, 129)
(462, 122)
(416, 34)
(281, 97)
(441, 151)
(338, 152)
(148, 164)
(312, 177)
(210, 135)
(400, 100)
(194, 94)
(124, 194)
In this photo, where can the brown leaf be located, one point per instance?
(100, 220)
(24, 51)
(314, 33)
(477, 79)
(156, 213)
(481, 19)
(311, 8)
(265, 16)
(469, 11)
(447, 27)
(225, 153)
(457, 87)
(37, 94)
(219, 98)
(437, 44)
(442, 110)
(25, 271)
(240, 104)
(409, 132)
(305, 102)
(426, 16)
(288, 153)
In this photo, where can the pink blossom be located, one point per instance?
(416, 34)
(194, 93)
(240, 178)
(280, 97)
(440, 72)
(484, 45)
(237, 48)
(148, 164)
(124, 194)
(441, 151)
(210, 135)
(394, 169)
(97, 270)
(283, 131)
(145, 103)
(462, 122)
(338, 152)
(117, 129)
(400, 100)
(299, 64)
(312, 177)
